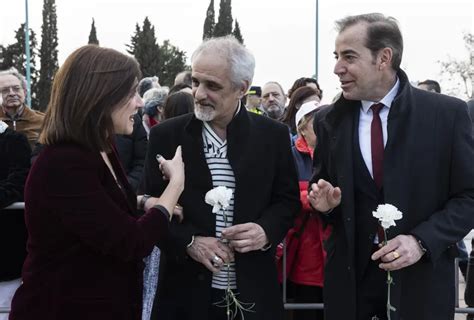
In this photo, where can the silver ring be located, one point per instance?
(216, 259)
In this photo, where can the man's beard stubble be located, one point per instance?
(275, 112)
(205, 113)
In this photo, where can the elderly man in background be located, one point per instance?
(273, 100)
(14, 112)
(233, 248)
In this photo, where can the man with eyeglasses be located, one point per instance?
(14, 111)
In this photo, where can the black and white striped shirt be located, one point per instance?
(215, 152)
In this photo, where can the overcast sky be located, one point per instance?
(281, 34)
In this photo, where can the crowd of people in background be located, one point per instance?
(117, 224)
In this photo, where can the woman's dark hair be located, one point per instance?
(89, 86)
(177, 104)
(301, 82)
(178, 87)
(299, 95)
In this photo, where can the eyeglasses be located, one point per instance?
(6, 90)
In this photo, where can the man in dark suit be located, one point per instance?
(384, 141)
(224, 145)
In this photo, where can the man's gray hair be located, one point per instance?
(240, 60)
(278, 85)
(14, 72)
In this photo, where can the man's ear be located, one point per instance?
(244, 88)
(385, 58)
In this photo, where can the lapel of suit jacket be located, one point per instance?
(400, 143)
(339, 123)
(237, 137)
(196, 168)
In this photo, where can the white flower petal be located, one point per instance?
(387, 214)
(218, 197)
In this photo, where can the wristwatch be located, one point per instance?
(420, 244)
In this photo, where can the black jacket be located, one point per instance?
(15, 155)
(131, 150)
(428, 176)
(266, 193)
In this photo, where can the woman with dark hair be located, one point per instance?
(177, 104)
(86, 241)
(305, 82)
(300, 96)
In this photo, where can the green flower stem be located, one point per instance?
(389, 283)
(230, 302)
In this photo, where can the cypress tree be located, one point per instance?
(48, 53)
(145, 49)
(134, 40)
(3, 51)
(164, 61)
(210, 22)
(172, 61)
(93, 34)
(224, 22)
(236, 33)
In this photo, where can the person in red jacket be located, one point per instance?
(306, 268)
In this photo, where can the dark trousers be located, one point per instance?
(372, 293)
(306, 294)
(178, 310)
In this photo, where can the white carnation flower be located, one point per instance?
(218, 198)
(387, 214)
(3, 126)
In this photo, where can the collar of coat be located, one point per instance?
(401, 105)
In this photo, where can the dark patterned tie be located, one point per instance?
(376, 143)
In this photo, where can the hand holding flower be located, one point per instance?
(387, 214)
(408, 250)
(204, 249)
(245, 237)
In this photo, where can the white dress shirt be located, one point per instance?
(365, 121)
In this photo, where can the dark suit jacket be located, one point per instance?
(15, 154)
(428, 175)
(85, 244)
(266, 193)
(131, 150)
